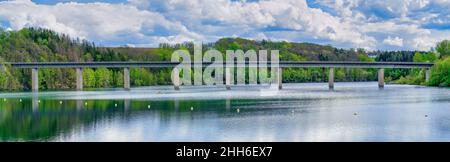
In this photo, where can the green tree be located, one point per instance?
(443, 48)
(430, 57)
(440, 73)
(118, 78)
(418, 57)
(141, 77)
(235, 46)
(103, 77)
(7, 80)
(89, 77)
(424, 57)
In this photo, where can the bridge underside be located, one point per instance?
(177, 83)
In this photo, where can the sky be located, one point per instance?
(369, 24)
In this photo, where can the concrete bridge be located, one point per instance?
(34, 66)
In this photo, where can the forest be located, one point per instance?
(43, 45)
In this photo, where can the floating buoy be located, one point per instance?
(39, 101)
(292, 111)
(426, 115)
(237, 110)
(148, 106)
(115, 105)
(355, 114)
(4, 99)
(85, 103)
(60, 102)
(192, 108)
(20, 100)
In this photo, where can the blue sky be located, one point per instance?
(381, 24)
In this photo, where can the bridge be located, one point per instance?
(34, 66)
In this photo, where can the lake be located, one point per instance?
(300, 112)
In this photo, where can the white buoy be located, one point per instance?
(115, 105)
(20, 100)
(60, 102)
(39, 101)
(192, 108)
(237, 110)
(85, 103)
(148, 106)
(4, 99)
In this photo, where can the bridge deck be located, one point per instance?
(239, 64)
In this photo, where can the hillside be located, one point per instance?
(42, 45)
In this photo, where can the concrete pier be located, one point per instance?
(331, 78)
(126, 78)
(227, 78)
(34, 79)
(126, 104)
(228, 104)
(381, 78)
(79, 73)
(79, 105)
(427, 74)
(35, 103)
(280, 78)
(176, 104)
(176, 78)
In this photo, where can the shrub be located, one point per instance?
(440, 73)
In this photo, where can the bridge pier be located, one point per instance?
(381, 78)
(34, 79)
(227, 78)
(280, 78)
(35, 103)
(126, 78)
(176, 78)
(427, 74)
(79, 73)
(331, 78)
(126, 104)
(79, 105)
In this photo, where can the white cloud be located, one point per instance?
(393, 41)
(140, 20)
(418, 22)
(241, 18)
(383, 24)
(101, 22)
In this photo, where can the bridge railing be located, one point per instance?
(165, 64)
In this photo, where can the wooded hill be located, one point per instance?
(42, 45)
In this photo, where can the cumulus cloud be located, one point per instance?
(225, 17)
(420, 23)
(383, 24)
(393, 41)
(101, 22)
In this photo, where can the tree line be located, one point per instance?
(43, 45)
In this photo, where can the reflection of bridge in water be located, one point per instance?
(176, 81)
(74, 113)
(81, 104)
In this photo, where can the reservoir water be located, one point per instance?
(299, 112)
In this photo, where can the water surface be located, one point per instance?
(299, 112)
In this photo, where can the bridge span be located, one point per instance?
(34, 66)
